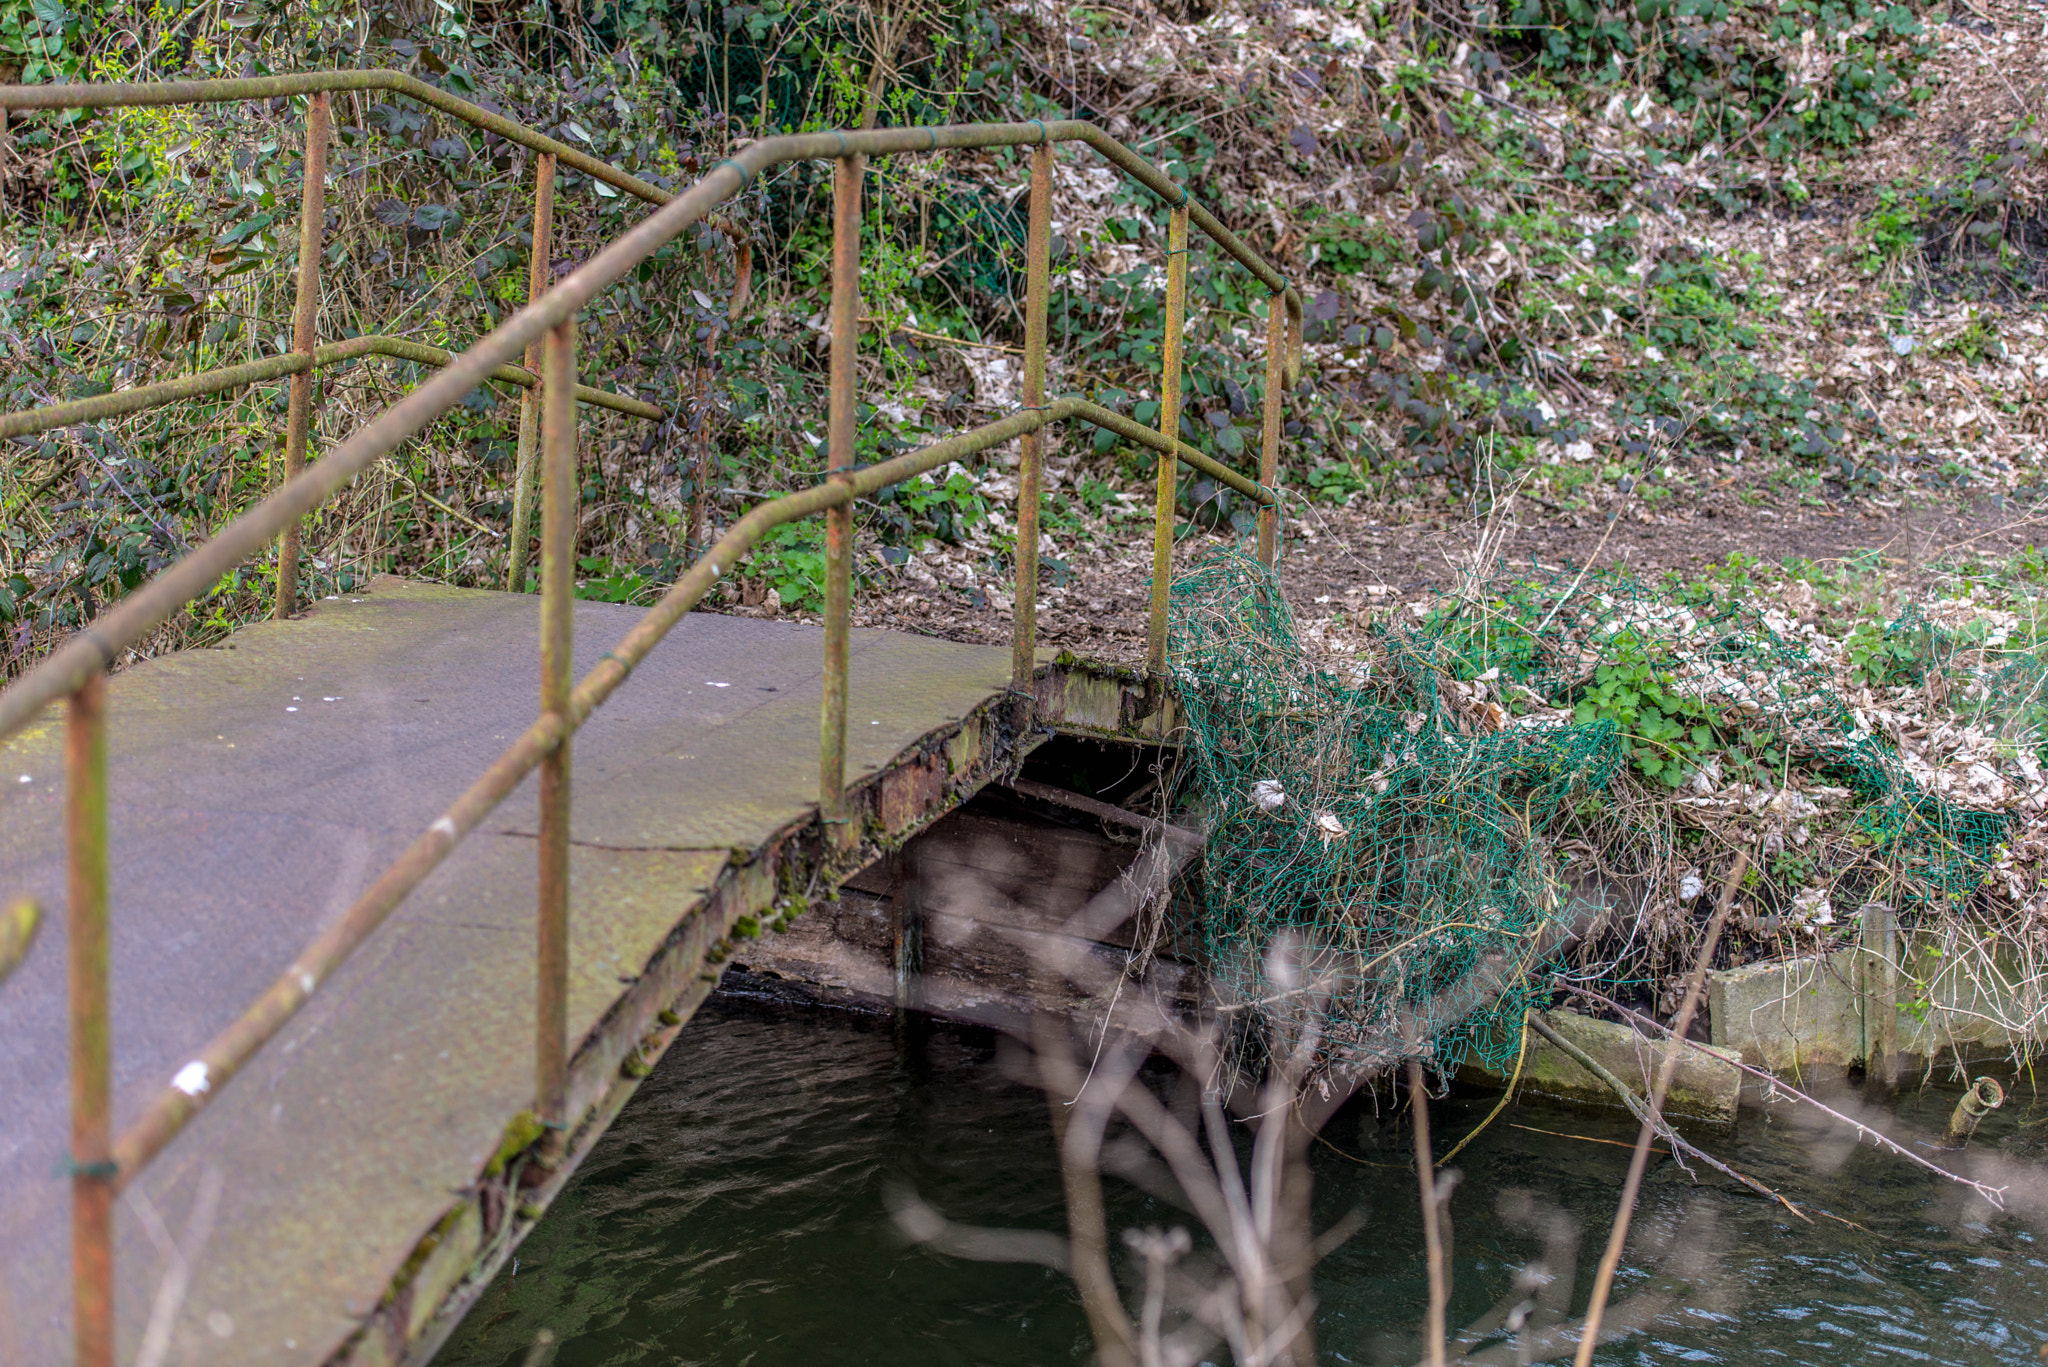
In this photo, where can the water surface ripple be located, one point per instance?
(733, 1218)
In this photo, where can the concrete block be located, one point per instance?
(1799, 1018)
(1814, 1017)
(1703, 1087)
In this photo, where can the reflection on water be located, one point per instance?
(734, 1216)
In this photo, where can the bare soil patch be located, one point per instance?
(1341, 563)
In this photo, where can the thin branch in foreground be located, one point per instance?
(1995, 1195)
(1432, 1232)
(1603, 1282)
(1680, 1146)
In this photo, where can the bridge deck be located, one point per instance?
(256, 790)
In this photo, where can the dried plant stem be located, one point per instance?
(1603, 1282)
(1078, 1123)
(1995, 1195)
(1634, 1103)
(1432, 1229)
(1514, 1079)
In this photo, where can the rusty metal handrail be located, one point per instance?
(117, 95)
(96, 646)
(233, 1047)
(236, 91)
(546, 331)
(320, 85)
(100, 407)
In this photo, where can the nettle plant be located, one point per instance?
(1667, 734)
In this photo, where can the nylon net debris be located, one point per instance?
(1371, 822)
(1410, 832)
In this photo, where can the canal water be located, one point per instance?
(734, 1217)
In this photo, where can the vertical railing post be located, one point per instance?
(841, 420)
(537, 280)
(557, 607)
(1169, 425)
(305, 307)
(1030, 472)
(92, 1168)
(1269, 426)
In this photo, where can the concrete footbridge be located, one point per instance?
(380, 1153)
(343, 964)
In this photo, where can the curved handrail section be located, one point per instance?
(119, 95)
(228, 1051)
(96, 646)
(100, 407)
(757, 156)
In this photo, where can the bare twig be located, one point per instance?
(1603, 1282)
(178, 1256)
(1679, 1145)
(1995, 1195)
(1432, 1231)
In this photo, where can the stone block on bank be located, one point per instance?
(1704, 1087)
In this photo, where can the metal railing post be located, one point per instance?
(92, 1168)
(840, 427)
(559, 495)
(1269, 433)
(1030, 472)
(305, 308)
(537, 273)
(1169, 426)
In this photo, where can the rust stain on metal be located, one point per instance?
(560, 494)
(911, 791)
(1037, 271)
(840, 423)
(1169, 427)
(92, 1049)
(1269, 427)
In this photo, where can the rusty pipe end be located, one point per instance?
(1984, 1097)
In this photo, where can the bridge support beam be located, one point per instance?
(906, 926)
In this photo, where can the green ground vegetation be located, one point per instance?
(1499, 220)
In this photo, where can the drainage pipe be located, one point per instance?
(1984, 1097)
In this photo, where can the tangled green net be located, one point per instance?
(1383, 863)
(1692, 678)
(1372, 834)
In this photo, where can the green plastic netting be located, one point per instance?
(1371, 828)
(1393, 832)
(1724, 667)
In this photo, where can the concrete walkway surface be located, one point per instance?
(256, 789)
